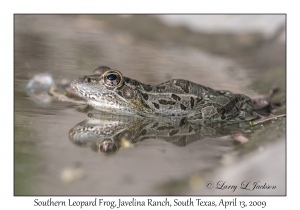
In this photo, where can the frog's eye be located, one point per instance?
(108, 149)
(112, 79)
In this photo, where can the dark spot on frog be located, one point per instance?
(176, 97)
(143, 132)
(155, 125)
(199, 101)
(164, 102)
(190, 129)
(126, 79)
(131, 81)
(192, 102)
(184, 85)
(147, 87)
(145, 96)
(182, 107)
(173, 132)
(227, 108)
(145, 105)
(182, 122)
(156, 105)
(165, 128)
(120, 93)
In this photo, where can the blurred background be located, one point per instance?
(241, 53)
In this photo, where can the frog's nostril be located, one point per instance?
(86, 79)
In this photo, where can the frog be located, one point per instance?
(109, 91)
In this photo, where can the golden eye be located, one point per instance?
(112, 79)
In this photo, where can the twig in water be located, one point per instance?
(61, 97)
(267, 119)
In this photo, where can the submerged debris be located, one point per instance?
(38, 87)
(72, 174)
(42, 90)
(64, 98)
(264, 106)
(240, 138)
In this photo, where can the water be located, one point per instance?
(48, 163)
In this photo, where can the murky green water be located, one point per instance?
(48, 163)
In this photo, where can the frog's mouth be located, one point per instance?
(83, 90)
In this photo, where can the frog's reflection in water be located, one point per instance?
(107, 147)
(106, 134)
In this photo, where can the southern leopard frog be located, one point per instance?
(107, 90)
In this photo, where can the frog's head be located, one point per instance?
(106, 90)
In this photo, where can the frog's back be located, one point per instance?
(174, 86)
(175, 97)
